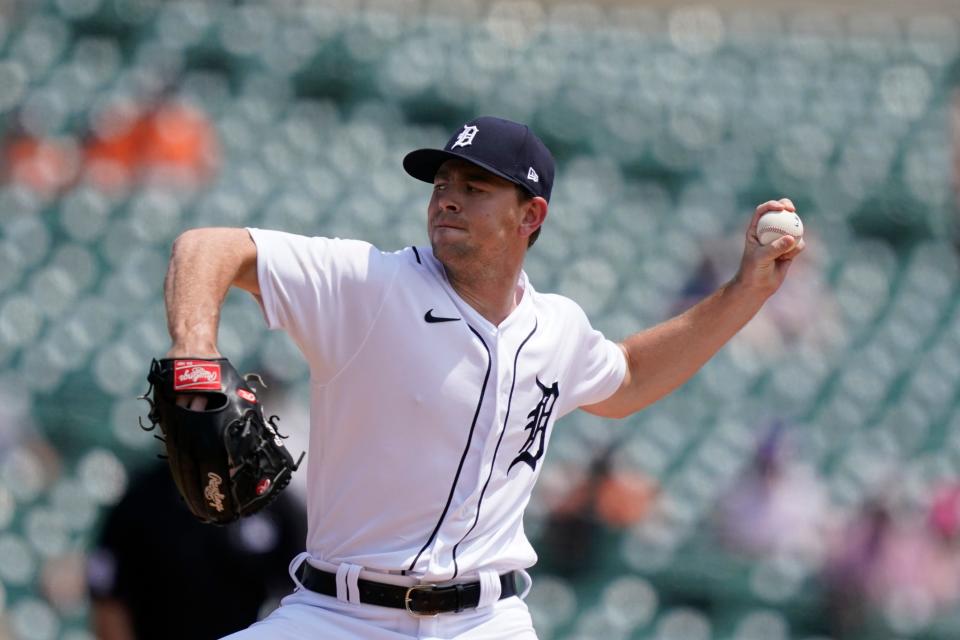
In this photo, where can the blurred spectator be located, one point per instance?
(62, 582)
(169, 143)
(29, 467)
(803, 310)
(899, 568)
(45, 166)
(172, 143)
(598, 499)
(954, 115)
(850, 565)
(700, 284)
(778, 503)
(157, 572)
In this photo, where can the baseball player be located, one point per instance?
(438, 373)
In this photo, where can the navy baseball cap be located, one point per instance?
(504, 148)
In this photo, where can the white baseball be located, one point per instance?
(775, 224)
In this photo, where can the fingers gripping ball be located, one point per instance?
(226, 459)
(777, 224)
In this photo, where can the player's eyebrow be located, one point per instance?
(471, 174)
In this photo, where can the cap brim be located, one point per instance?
(423, 164)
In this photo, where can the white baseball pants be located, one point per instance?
(305, 615)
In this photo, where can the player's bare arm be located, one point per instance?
(662, 358)
(204, 264)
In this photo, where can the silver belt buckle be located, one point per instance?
(407, 600)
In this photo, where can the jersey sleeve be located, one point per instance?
(596, 366)
(324, 292)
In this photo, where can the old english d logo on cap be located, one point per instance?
(466, 136)
(502, 147)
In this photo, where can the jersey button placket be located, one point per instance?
(500, 394)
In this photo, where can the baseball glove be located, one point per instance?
(227, 460)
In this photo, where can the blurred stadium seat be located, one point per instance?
(669, 124)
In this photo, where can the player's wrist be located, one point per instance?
(194, 349)
(749, 286)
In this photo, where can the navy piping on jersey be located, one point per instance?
(417, 254)
(466, 449)
(506, 421)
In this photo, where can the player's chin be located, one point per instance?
(448, 236)
(447, 248)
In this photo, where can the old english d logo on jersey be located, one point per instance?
(537, 426)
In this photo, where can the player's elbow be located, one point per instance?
(192, 240)
(233, 245)
(230, 251)
(602, 411)
(614, 409)
(633, 396)
(187, 243)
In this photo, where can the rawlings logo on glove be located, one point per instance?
(212, 492)
(198, 376)
(227, 460)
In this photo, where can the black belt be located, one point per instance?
(418, 600)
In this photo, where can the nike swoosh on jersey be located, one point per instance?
(429, 317)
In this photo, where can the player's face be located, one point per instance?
(473, 214)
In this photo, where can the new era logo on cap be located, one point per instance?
(502, 147)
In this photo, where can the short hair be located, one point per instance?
(525, 196)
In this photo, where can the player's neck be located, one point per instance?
(492, 291)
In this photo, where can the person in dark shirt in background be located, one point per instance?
(156, 572)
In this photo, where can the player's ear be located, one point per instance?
(534, 213)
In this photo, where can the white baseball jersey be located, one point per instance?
(428, 423)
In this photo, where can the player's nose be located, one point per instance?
(447, 201)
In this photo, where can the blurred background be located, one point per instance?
(805, 485)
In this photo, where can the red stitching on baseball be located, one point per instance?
(779, 230)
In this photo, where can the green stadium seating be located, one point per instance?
(669, 125)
